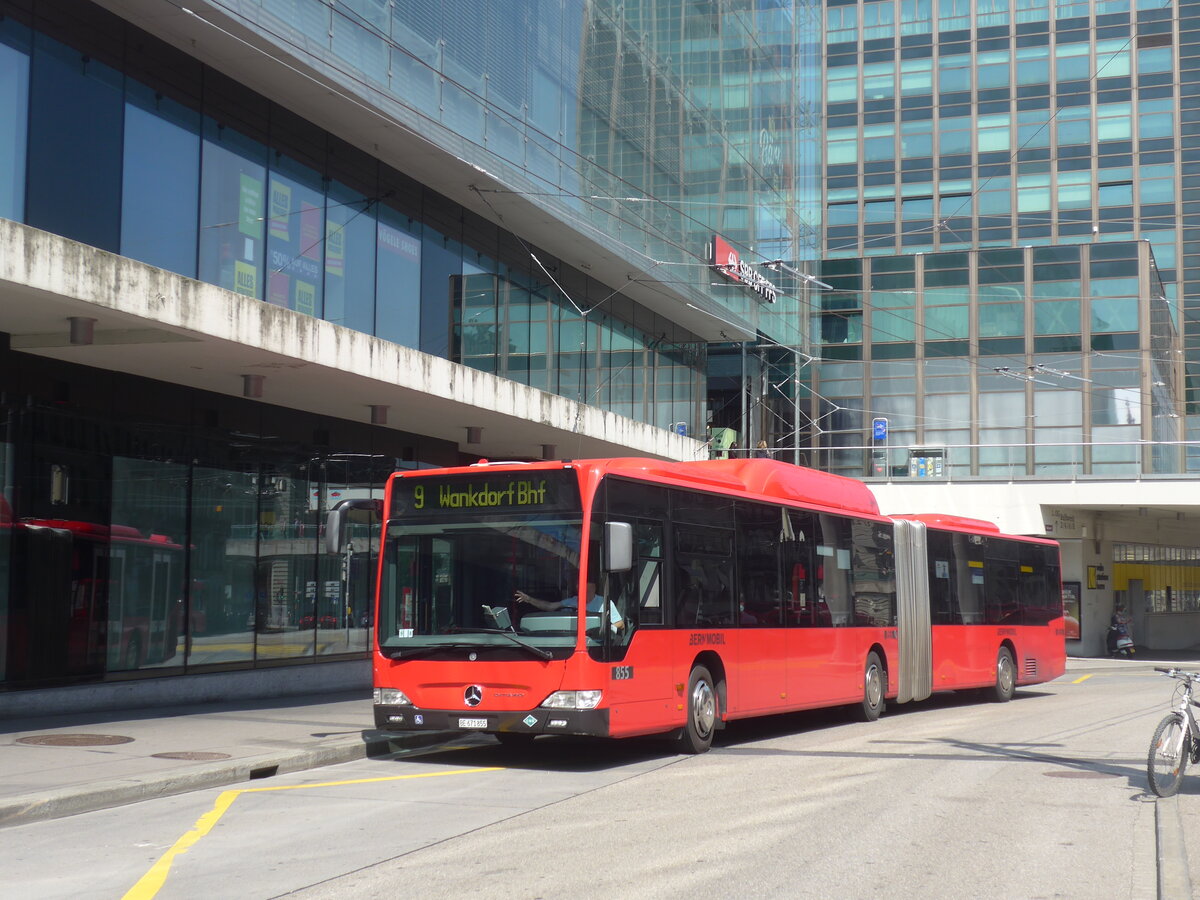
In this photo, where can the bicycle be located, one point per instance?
(1176, 740)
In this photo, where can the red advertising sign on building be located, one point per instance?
(729, 263)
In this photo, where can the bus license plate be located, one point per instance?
(472, 723)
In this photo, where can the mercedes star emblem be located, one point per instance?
(473, 695)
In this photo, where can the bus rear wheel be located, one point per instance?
(702, 708)
(1006, 677)
(874, 687)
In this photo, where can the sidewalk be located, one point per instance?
(62, 765)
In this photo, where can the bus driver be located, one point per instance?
(595, 605)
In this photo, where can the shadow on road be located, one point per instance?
(562, 753)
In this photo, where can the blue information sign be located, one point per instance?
(879, 427)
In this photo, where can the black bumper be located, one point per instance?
(592, 722)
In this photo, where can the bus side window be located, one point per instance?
(834, 581)
(648, 568)
(757, 537)
(796, 543)
(943, 601)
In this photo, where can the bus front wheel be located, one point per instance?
(1006, 676)
(874, 687)
(701, 712)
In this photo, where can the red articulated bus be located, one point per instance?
(712, 591)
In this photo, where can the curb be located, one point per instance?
(1174, 881)
(62, 802)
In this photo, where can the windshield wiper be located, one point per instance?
(425, 650)
(536, 651)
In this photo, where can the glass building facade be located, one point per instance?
(149, 528)
(1005, 233)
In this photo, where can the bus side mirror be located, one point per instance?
(335, 524)
(618, 546)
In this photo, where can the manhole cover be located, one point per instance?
(1079, 774)
(74, 740)
(198, 755)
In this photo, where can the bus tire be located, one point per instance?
(1006, 677)
(874, 688)
(702, 711)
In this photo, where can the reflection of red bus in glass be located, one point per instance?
(117, 592)
(713, 591)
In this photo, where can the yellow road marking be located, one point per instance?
(151, 883)
(1083, 678)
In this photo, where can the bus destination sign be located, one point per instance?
(510, 492)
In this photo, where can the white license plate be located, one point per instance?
(472, 723)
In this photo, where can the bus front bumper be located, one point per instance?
(593, 722)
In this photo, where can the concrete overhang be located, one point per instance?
(159, 325)
(244, 41)
(1151, 504)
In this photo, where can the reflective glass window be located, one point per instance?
(1032, 129)
(441, 265)
(1115, 194)
(1154, 59)
(1075, 190)
(954, 14)
(1114, 314)
(295, 237)
(993, 133)
(1114, 122)
(954, 73)
(294, 611)
(1156, 191)
(889, 326)
(991, 12)
(947, 322)
(1074, 126)
(398, 279)
(350, 247)
(1033, 65)
(838, 152)
(6, 547)
(14, 121)
(916, 76)
(992, 70)
(1112, 58)
(842, 89)
(841, 23)
(1072, 62)
(73, 183)
(1056, 317)
(160, 186)
(224, 548)
(879, 19)
(879, 210)
(1001, 319)
(232, 210)
(147, 540)
(1156, 125)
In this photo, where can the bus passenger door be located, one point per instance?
(811, 637)
(638, 667)
(762, 651)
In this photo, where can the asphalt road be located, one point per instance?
(1043, 797)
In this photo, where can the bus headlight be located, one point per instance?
(573, 700)
(391, 697)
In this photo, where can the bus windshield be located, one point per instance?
(484, 563)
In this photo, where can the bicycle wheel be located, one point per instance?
(1170, 749)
